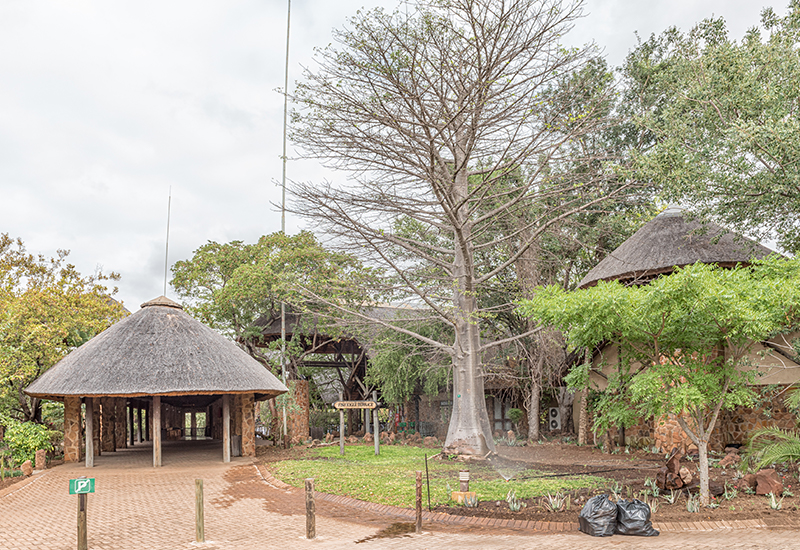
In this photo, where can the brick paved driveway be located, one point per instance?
(138, 507)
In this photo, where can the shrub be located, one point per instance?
(25, 438)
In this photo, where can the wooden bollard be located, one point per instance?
(419, 502)
(199, 509)
(311, 510)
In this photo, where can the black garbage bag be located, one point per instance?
(598, 517)
(633, 518)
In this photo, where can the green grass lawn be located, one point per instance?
(390, 477)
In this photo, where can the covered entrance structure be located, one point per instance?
(139, 378)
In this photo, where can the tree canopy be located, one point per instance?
(721, 121)
(683, 339)
(448, 121)
(47, 309)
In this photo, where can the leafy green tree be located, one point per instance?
(47, 309)
(683, 339)
(452, 115)
(720, 121)
(231, 286)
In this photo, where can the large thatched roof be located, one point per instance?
(159, 350)
(671, 240)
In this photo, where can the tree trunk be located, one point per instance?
(469, 431)
(702, 449)
(534, 402)
(583, 418)
(565, 400)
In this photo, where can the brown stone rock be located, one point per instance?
(41, 459)
(392, 438)
(748, 482)
(26, 468)
(430, 442)
(328, 437)
(686, 475)
(731, 450)
(730, 460)
(352, 439)
(368, 438)
(315, 442)
(768, 481)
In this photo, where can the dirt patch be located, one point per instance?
(395, 530)
(627, 472)
(9, 481)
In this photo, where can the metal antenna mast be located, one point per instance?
(166, 253)
(283, 199)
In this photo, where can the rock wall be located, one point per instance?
(248, 425)
(72, 429)
(299, 415)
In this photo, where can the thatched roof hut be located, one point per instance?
(672, 240)
(162, 361)
(159, 350)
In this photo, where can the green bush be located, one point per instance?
(515, 415)
(25, 438)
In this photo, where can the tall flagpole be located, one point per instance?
(283, 199)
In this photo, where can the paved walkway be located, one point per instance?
(139, 507)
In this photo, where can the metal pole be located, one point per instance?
(283, 200)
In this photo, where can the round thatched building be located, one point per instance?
(672, 240)
(162, 361)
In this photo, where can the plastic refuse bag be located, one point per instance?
(598, 517)
(633, 518)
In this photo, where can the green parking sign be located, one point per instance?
(81, 486)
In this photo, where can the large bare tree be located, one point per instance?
(448, 119)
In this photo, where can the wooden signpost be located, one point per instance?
(81, 487)
(341, 405)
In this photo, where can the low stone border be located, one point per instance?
(19, 485)
(549, 526)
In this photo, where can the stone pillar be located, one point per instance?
(148, 423)
(299, 417)
(121, 427)
(72, 429)
(139, 433)
(193, 425)
(96, 425)
(248, 425)
(237, 414)
(108, 424)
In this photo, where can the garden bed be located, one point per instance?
(532, 472)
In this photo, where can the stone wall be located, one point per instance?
(72, 429)
(248, 425)
(108, 422)
(299, 416)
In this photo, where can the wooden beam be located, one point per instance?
(89, 433)
(156, 431)
(133, 426)
(226, 428)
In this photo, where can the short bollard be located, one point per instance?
(419, 502)
(311, 510)
(200, 527)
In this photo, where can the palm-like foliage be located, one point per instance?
(772, 446)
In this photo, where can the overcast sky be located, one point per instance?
(106, 105)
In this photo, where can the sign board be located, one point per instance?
(81, 486)
(355, 404)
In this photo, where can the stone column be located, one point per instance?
(237, 414)
(72, 429)
(108, 424)
(121, 427)
(139, 433)
(96, 425)
(193, 425)
(300, 418)
(248, 425)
